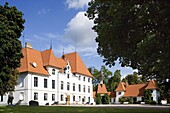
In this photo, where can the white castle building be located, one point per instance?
(48, 79)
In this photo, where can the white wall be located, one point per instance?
(119, 96)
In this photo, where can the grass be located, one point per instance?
(62, 109)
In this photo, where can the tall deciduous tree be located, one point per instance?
(102, 74)
(134, 78)
(134, 31)
(11, 26)
(114, 81)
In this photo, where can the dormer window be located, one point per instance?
(53, 71)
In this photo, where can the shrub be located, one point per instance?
(47, 104)
(33, 103)
(105, 99)
(153, 102)
(130, 100)
(98, 99)
(122, 99)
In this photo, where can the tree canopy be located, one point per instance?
(11, 26)
(114, 81)
(134, 31)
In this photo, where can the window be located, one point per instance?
(79, 77)
(21, 96)
(74, 98)
(62, 98)
(79, 98)
(79, 88)
(35, 81)
(62, 84)
(53, 97)
(151, 91)
(89, 100)
(151, 98)
(119, 93)
(1, 98)
(45, 83)
(68, 76)
(84, 88)
(88, 79)
(35, 96)
(88, 89)
(22, 82)
(73, 86)
(53, 84)
(53, 71)
(84, 78)
(68, 86)
(45, 96)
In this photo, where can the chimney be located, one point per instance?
(27, 45)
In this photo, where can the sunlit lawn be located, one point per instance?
(67, 109)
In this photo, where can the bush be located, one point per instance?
(98, 99)
(122, 99)
(47, 104)
(105, 99)
(130, 100)
(147, 101)
(33, 103)
(153, 102)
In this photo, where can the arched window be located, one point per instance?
(53, 71)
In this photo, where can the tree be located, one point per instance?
(136, 32)
(147, 96)
(100, 75)
(114, 81)
(11, 26)
(134, 79)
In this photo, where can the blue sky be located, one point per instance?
(62, 23)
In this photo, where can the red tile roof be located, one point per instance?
(135, 90)
(151, 85)
(112, 94)
(101, 89)
(121, 87)
(77, 64)
(47, 58)
(32, 56)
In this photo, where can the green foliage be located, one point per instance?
(102, 74)
(147, 96)
(153, 102)
(134, 32)
(114, 81)
(106, 99)
(133, 79)
(11, 26)
(98, 99)
(122, 99)
(165, 90)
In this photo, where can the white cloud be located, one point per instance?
(43, 11)
(79, 28)
(76, 4)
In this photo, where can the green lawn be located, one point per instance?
(62, 109)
